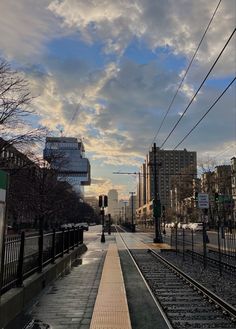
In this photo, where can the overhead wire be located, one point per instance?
(186, 72)
(75, 112)
(202, 83)
(214, 103)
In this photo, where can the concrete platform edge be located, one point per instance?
(13, 302)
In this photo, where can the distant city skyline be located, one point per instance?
(106, 72)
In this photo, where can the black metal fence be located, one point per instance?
(25, 255)
(216, 249)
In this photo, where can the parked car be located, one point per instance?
(197, 226)
(185, 226)
(84, 226)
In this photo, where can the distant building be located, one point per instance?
(223, 180)
(66, 155)
(169, 164)
(113, 207)
(132, 206)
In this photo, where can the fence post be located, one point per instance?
(219, 250)
(176, 242)
(53, 245)
(21, 260)
(77, 237)
(192, 246)
(62, 242)
(73, 245)
(40, 264)
(2, 263)
(81, 232)
(183, 236)
(204, 245)
(68, 241)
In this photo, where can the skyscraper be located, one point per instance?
(67, 156)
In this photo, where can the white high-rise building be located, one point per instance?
(67, 156)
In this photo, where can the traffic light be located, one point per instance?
(216, 196)
(100, 201)
(196, 196)
(105, 201)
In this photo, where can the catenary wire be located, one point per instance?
(194, 96)
(186, 72)
(75, 112)
(214, 103)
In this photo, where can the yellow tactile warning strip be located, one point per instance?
(111, 308)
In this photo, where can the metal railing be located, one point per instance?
(197, 245)
(25, 255)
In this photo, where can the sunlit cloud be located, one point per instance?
(116, 101)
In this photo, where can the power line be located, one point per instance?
(218, 57)
(225, 150)
(218, 98)
(75, 112)
(186, 72)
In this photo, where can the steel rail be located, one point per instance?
(213, 262)
(229, 309)
(160, 308)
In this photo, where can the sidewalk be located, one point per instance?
(69, 302)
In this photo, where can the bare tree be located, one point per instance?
(15, 101)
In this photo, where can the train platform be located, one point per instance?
(104, 290)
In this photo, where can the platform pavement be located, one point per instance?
(69, 302)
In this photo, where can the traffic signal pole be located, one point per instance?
(103, 203)
(103, 235)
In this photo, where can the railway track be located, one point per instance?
(183, 302)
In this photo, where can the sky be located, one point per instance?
(106, 71)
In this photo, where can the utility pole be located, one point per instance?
(157, 201)
(132, 211)
(125, 202)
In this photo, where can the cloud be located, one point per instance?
(26, 27)
(177, 25)
(117, 103)
(101, 186)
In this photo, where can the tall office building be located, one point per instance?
(169, 164)
(67, 156)
(113, 207)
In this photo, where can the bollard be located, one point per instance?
(103, 236)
